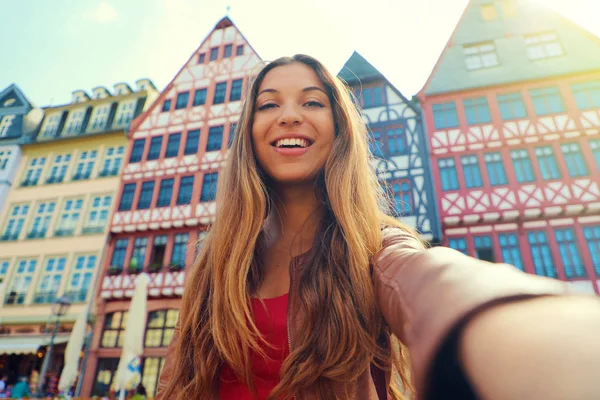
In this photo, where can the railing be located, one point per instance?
(81, 177)
(7, 237)
(77, 296)
(64, 232)
(36, 234)
(92, 229)
(15, 298)
(109, 172)
(44, 297)
(54, 179)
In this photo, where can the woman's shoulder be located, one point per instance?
(401, 236)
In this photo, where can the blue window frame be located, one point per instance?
(165, 193)
(402, 197)
(547, 101)
(495, 169)
(569, 253)
(592, 238)
(173, 143)
(186, 187)
(209, 186)
(547, 163)
(137, 152)
(231, 136)
(146, 193)
(375, 144)
(522, 164)
(215, 138)
(477, 111)
(511, 106)
(459, 244)
(372, 97)
(587, 94)
(119, 253)
(574, 158)
(200, 97)
(445, 116)
(471, 171)
(396, 138)
(511, 251)
(227, 51)
(155, 147)
(182, 100)
(236, 90)
(448, 174)
(484, 249)
(179, 249)
(595, 147)
(191, 142)
(220, 93)
(127, 197)
(214, 53)
(541, 254)
(239, 50)
(138, 256)
(201, 58)
(166, 105)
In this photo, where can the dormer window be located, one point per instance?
(543, 45)
(480, 56)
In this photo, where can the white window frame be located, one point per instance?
(22, 280)
(75, 122)
(113, 159)
(97, 215)
(50, 280)
(68, 219)
(18, 215)
(58, 168)
(5, 123)
(480, 56)
(33, 172)
(125, 113)
(82, 271)
(40, 223)
(544, 45)
(99, 117)
(85, 165)
(4, 158)
(51, 126)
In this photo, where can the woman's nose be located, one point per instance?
(290, 115)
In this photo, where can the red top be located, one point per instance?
(273, 327)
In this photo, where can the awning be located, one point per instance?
(27, 344)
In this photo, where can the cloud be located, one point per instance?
(104, 12)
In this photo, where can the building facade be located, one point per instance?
(399, 144)
(512, 110)
(166, 200)
(54, 226)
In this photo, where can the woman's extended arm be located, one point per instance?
(429, 297)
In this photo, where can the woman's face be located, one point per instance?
(293, 129)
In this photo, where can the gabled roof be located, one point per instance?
(20, 105)
(357, 68)
(514, 21)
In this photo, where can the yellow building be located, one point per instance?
(54, 225)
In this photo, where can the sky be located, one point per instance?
(51, 48)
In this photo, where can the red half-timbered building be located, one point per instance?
(512, 110)
(166, 200)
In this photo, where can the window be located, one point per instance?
(157, 256)
(114, 329)
(544, 45)
(540, 252)
(459, 244)
(471, 171)
(173, 145)
(23, 276)
(201, 58)
(522, 165)
(166, 105)
(547, 163)
(125, 113)
(396, 141)
(97, 214)
(375, 144)
(587, 94)
(51, 126)
(372, 97)
(220, 92)
(113, 157)
(152, 369)
(16, 220)
(41, 220)
(444, 115)
(191, 142)
(483, 248)
(569, 253)
(239, 50)
(138, 257)
(214, 53)
(100, 117)
(227, 51)
(81, 278)
(480, 56)
(402, 197)
(495, 169)
(179, 250)
(209, 186)
(155, 147)
(127, 197)
(119, 253)
(488, 12)
(69, 217)
(595, 147)
(574, 158)
(182, 100)
(50, 280)
(511, 252)
(592, 238)
(145, 198)
(236, 90)
(34, 171)
(477, 111)
(448, 174)
(75, 121)
(215, 138)
(231, 136)
(58, 168)
(186, 186)
(165, 193)
(160, 328)
(4, 157)
(200, 97)
(547, 101)
(107, 368)
(137, 151)
(85, 165)
(511, 106)
(4, 264)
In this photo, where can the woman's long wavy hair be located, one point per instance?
(342, 329)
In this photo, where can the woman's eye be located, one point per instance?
(313, 103)
(266, 106)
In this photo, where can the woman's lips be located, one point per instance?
(291, 151)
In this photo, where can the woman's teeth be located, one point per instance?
(292, 142)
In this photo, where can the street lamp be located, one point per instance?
(59, 308)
